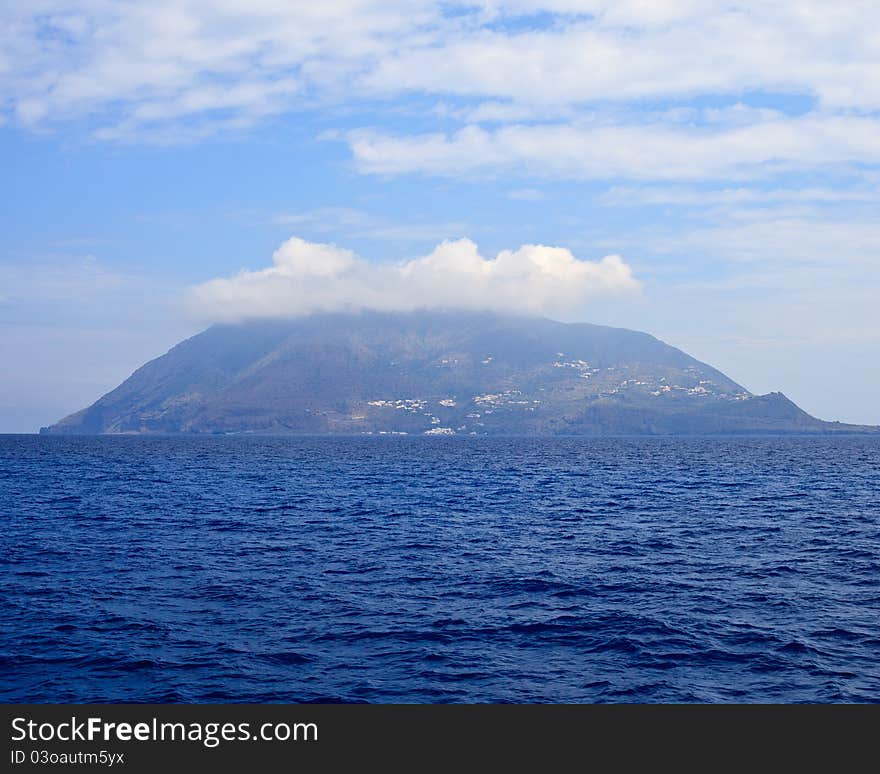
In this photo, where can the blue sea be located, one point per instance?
(255, 569)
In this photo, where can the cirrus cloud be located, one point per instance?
(308, 277)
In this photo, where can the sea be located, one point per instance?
(412, 570)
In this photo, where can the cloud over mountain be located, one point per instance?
(310, 277)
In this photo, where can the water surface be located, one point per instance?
(439, 570)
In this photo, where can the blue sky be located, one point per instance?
(728, 155)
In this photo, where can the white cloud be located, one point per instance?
(500, 70)
(309, 277)
(165, 62)
(632, 151)
(726, 197)
(140, 64)
(651, 49)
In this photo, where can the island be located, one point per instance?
(434, 373)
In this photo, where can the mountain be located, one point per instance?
(436, 373)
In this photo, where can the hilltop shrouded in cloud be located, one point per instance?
(310, 277)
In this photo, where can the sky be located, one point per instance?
(706, 171)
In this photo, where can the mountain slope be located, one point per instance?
(435, 373)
